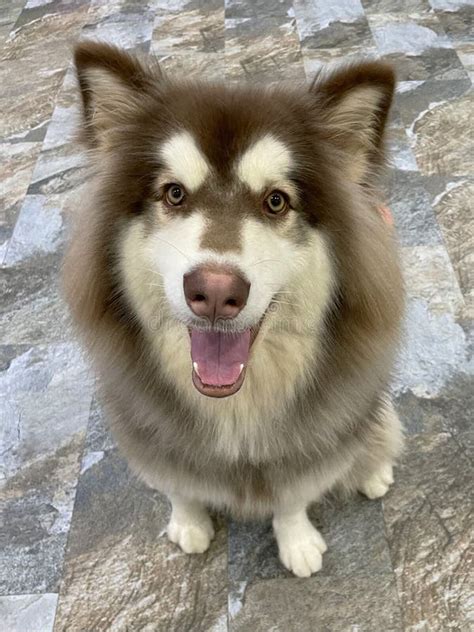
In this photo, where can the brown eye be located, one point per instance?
(276, 203)
(174, 194)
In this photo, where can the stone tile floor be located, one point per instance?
(82, 546)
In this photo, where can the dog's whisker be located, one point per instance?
(154, 272)
(277, 302)
(173, 246)
(265, 261)
(285, 292)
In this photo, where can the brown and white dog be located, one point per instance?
(239, 291)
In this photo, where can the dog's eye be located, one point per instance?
(276, 203)
(174, 194)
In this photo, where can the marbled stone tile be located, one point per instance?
(98, 437)
(400, 154)
(34, 613)
(54, 183)
(395, 122)
(396, 6)
(9, 12)
(325, 25)
(450, 410)
(128, 25)
(45, 394)
(58, 177)
(37, 505)
(253, 555)
(196, 28)
(429, 275)
(54, 195)
(457, 18)
(34, 61)
(437, 115)
(266, 50)
(466, 55)
(435, 348)
(407, 33)
(319, 604)
(315, 58)
(452, 202)
(414, 97)
(258, 8)
(61, 167)
(32, 309)
(40, 10)
(121, 572)
(410, 205)
(352, 529)
(357, 550)
(22, 115)
(39, 229)
(66, 115)
(18, 161)
(417, 46)
(440, 141)
(429, 527)
(42, 385)
(207, 66)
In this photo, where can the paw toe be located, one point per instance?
(307, 561)
(374, 488)
(302, 559)
(378, 484)
(191, 538)
(320, 543)
(194, 540)
(386, 474)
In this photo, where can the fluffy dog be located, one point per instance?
(238, 289)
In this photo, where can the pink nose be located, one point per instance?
(215, 293)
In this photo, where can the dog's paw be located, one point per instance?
(301, 548)
(191, 537)
(378, 484)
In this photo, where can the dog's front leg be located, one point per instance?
(190, 525)
(300, 545)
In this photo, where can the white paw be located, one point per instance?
(301, 548)
(378, 484)
(192, 537)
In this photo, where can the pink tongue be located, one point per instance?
(219, 355)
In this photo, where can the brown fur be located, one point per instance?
(333, 428)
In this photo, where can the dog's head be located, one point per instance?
(228, 207)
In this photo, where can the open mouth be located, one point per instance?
(220, 360)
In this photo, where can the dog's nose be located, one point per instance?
(215, 293)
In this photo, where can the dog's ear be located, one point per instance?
(112, 84)
(352, 104)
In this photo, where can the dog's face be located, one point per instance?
(226, 201)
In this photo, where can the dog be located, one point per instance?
(239, 290)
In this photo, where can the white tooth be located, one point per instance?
(241, 368)
(195, 367)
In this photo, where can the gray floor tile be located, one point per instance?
(318, 604)
(45, 407)
(34, 613)
(265, 49)
(429, 527)
(121, 573)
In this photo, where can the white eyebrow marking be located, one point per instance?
(185, 160)
(266, 161)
